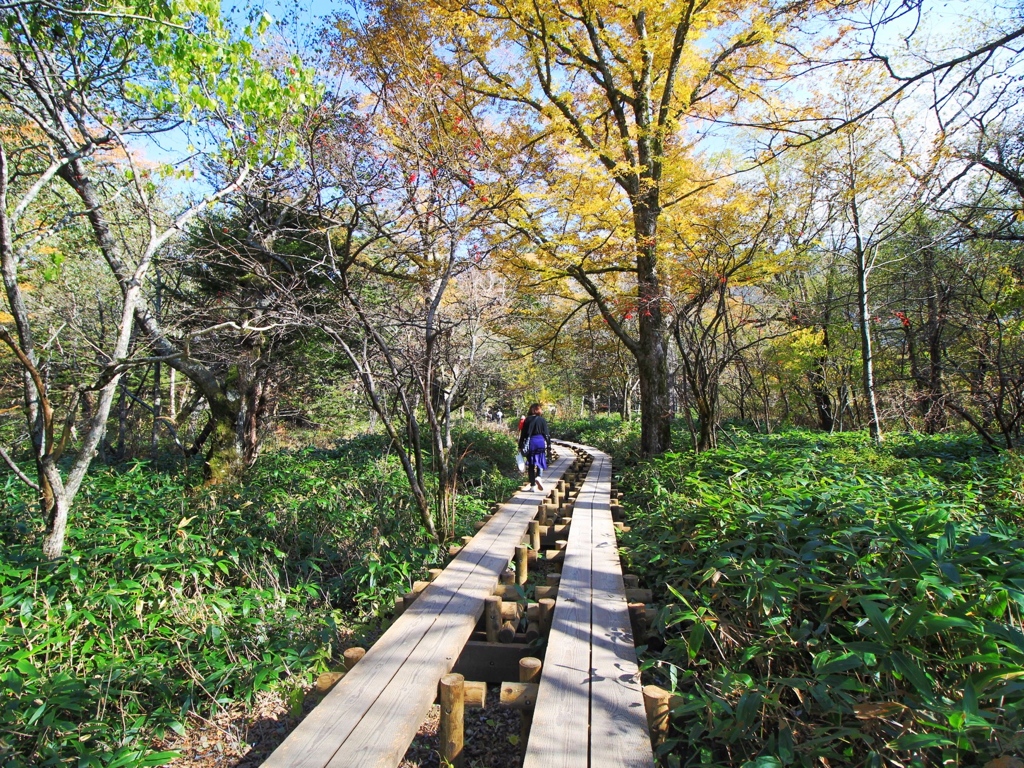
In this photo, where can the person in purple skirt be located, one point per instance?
(535, 444)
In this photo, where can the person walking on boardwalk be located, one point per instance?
(535, 444)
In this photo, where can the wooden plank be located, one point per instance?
(372, 715)
(616, 732)
(618, 721)
(559, 735)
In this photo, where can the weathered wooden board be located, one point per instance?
(593, 622)
(618, 722)
(559, 735)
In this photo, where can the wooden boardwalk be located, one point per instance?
(373, 713)
(590, 706)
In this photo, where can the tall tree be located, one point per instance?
(629, 88)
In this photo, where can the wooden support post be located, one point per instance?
(656, 702)
(638, 622)
(547, 608)
(466, 540)
(453, 550)
(532, 631)
(474, 694)
(639, 596)
(553, 579)
(352, 656)
(529, 672)
(409, 598)
(419, 586)
(433, 573)
(630, 580)
(399, 608)
(522, 564)
(508, 576)
(492, 617)
(544, 593)
(450, 730)
(511, 611)
(507, 633)
(535, 535)
(521, 696)
(555, 556)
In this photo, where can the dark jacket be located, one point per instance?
(534, 425)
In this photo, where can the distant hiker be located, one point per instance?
(535, 444)
(498, 416)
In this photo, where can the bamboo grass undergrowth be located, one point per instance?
(830, 602)
(174, 600)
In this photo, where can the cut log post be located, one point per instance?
(529, 673)
(399, 608)
(474, 694)
(532, 631)
(508, 576)
(352, 657)
(532, 612)
(561, 544)
(450, 730)
(521, 696)
(553, 579)
(409, 598)
(638, 622)
(511, 611)
(639, 595)
(453, 550)
(543, 593)
(507, 633)
(656, 702)
(547, 608)
(522, 564)
(327, 680)
(492, 617)
(630, 580)
(419, 586)
(554, 555)
(466, 540)
(433, 573)
(535, 535)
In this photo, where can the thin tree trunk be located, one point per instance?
(864, 312)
